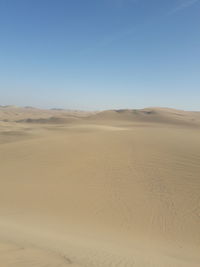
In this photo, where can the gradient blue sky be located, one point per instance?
(100, 54)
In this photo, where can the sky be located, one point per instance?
(100, 54)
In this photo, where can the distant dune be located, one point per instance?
(99, 189)
(151, 115)
(147, 115)
(51, 120)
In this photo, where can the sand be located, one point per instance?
(112, 188)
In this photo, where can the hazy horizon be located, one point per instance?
(89, 109)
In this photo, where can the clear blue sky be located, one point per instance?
(100, 54)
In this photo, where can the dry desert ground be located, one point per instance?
(118, 188)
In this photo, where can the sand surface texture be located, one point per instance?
(101, 189)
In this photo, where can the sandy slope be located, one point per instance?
(116, 188)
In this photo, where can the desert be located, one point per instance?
(103, 188)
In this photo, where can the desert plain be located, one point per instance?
(117, 188)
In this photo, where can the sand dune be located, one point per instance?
(151, 115)
(12, 113)
(51, 120)
(113, 188)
